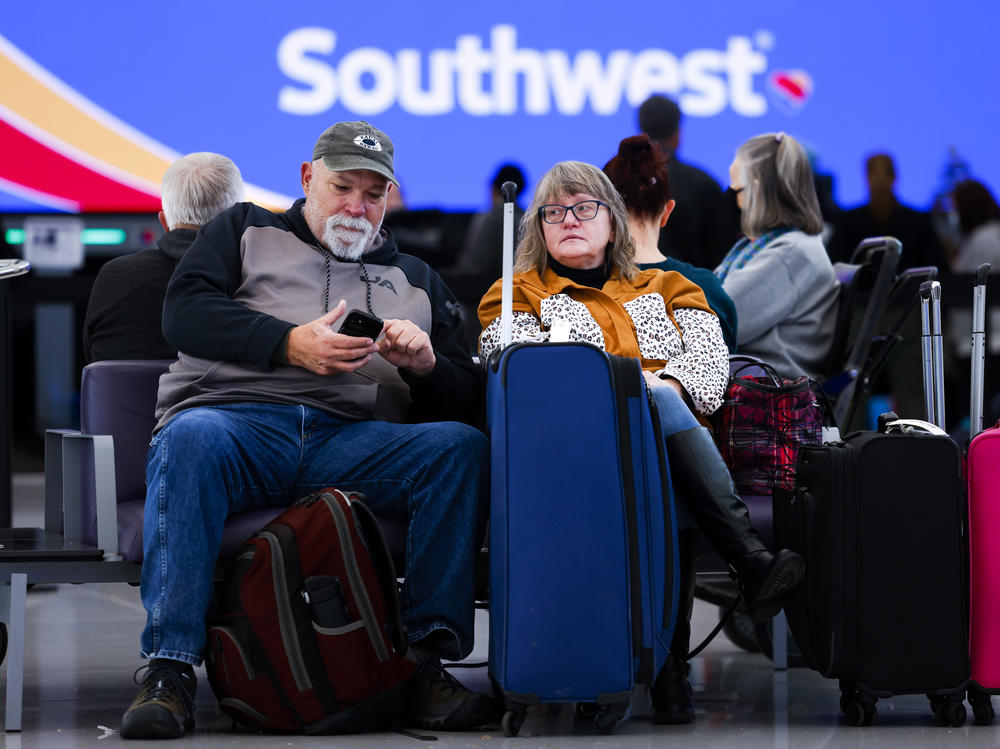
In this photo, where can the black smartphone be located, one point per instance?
(360, 324)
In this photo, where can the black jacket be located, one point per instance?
(124, 314)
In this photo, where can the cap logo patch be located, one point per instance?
(368, 141)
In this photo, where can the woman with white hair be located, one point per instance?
(779, 275)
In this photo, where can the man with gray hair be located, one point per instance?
(124, 314)
(268, 402)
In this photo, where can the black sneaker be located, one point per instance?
(439, 701)
(164, 708)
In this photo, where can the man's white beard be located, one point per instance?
(345, 243)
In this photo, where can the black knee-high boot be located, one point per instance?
(671, 693)
(701, 478)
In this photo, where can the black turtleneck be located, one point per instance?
(592, 277)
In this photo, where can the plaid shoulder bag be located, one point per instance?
(763, 420)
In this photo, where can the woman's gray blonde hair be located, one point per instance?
(779, 186)
(569, 178)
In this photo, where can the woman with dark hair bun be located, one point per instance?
(639, 173)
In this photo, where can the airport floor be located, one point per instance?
(82, 648)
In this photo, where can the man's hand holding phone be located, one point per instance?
(316, 347)
(320, 347)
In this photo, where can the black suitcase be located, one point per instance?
(879, 519)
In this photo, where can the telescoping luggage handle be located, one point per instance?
(560, 330)
(978, 349)
(933, 351)
(509, 190)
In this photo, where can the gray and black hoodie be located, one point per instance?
(251, 275)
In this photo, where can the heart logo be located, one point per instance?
(792, 87)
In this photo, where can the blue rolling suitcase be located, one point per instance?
(583, 552)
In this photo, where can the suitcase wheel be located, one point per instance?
(512, 720)
(609, 717)
(858, 712)
(982, 709)
(949, 711)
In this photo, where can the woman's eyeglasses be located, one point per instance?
(585, 210)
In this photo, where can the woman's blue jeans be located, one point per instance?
(675, 416)
(210, 462)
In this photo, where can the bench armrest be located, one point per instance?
(66, 451)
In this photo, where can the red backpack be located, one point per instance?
(306, 634)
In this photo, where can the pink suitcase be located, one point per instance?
(982, 473)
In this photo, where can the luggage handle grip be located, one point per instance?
(981, 272)
(930, 291)
(910, 425)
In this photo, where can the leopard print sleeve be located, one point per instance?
(524, 327)
(703, 366)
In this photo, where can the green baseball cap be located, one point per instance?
(355, 145)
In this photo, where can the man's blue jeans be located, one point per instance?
(209, 462)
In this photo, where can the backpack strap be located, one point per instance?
(385, 570)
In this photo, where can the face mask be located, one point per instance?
(729, 203)
(730, 213)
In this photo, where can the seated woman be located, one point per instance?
(779, 276)
(574, 265)
(639, 174)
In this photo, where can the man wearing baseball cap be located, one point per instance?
(268, 402)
